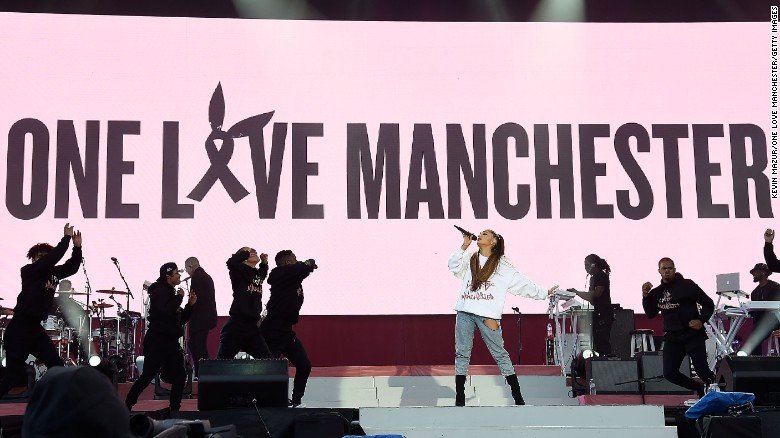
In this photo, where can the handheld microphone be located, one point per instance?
(473, 237)
(186, 279)
(113, 259)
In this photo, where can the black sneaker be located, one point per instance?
(292, 404)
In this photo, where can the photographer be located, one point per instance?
(283, 308)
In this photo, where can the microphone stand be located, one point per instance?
(127, 287)
(129, 359)
(641, 385)
(186, 339)
(89, 314)
(519, 333)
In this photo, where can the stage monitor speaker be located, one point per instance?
(225, 383)
(757, 374)
(321, 425)
(613, 375)
(651, 364)
(620, 337)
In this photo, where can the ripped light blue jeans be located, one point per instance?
(465, 323)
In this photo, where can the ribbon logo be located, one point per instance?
(220, 157)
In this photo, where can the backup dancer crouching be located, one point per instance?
(242, 330)
(25, 334)
(284, 307)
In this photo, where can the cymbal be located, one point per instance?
(102, 305)
(70, 292)
(111, 291)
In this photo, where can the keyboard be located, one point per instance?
(763, 305)
(566, 295)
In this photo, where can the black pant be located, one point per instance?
(602, 329)
(242, 334)
(674, 353)
(160, 352)
(198, 346)
(286, 343)
(23, 338)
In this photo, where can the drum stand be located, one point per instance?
(126, 345)
(69, 362)
(88, 288)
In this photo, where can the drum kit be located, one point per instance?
(83, 333)
(116, 338)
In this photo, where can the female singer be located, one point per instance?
(486, 277)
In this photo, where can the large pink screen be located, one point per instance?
(366, 142)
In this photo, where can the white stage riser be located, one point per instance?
(396, 391)
(513, 416)
(551, 432)
(518, 422)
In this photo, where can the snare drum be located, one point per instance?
(109, 335)
(53, 326)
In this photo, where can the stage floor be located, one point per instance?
(349, 391)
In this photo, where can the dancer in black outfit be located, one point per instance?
(284, 307)
(678, 300)
(242, 330)
(161, 343)
(204, 312)
(598, 294)
(25, 334)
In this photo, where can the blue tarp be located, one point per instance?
(718, 403)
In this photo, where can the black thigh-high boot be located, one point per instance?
(512, 381)
(460, 390)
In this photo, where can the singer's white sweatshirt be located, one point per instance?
(488, 300)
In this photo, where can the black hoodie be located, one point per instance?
(34, 301)
(165, 314)
(247, 284)
(286, 299)
(770, 258)
(677, 301)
